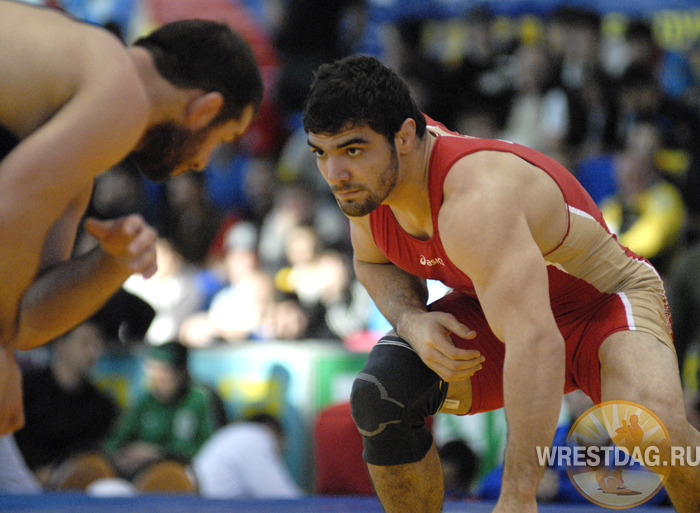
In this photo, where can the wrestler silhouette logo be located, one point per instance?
(619, 454)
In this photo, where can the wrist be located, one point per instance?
(113, 266)
(405, 320)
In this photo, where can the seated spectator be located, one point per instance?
(683, 289)
(239, 311)
(538, 116)
(244, 460)
(640, 97)
(340, 469)
(172, 292)
(460, 466)
(314, 277)
(672, 69)
(647, 211)
(289, 210)
(65, 413)
(348, 307)
(173, 418)
(593, 116)
(187, 216)
(576, 39)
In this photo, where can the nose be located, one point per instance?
(201, 160)
(336, 172)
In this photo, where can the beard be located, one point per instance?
(384, 185)
(164, 148)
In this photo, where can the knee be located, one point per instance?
(393, 428)
(372, 406)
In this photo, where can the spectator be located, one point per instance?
(683, 287)
(172, 292)
(239, 311)
(579, 45)
(460, 466)
(188, 217)
(244, 460)
(479, 78)
(314, 277)
(171, 420)
(66, 413)
(290, 209)
(640, 96)
(671, 68)
(647, 211)
(348, 307)
(310, 34)
(539, 112)
(593, 116)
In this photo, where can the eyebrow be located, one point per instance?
(349, 142)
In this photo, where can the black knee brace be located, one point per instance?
(390, 399)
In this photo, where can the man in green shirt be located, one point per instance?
(172, 420)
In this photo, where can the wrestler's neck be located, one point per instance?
(410, 199)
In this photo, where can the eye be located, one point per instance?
(318, 152)
(353, 152)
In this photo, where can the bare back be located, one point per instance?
(50, 58)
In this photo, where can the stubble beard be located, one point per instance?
(386, 184)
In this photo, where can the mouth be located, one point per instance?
(346, 194)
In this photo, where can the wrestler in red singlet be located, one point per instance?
(597, 286)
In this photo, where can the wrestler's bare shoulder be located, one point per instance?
(50, 58)
(490, 179)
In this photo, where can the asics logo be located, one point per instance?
(431, 262)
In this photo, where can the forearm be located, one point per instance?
(393, 291)
(66, 295)
(532, 386)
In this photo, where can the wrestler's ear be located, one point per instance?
(203, 108)
(406, 136)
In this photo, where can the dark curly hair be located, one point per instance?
(202, 54)
(359, 90)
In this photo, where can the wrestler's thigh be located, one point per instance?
(635, 366)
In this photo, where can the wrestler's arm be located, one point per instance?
(496, 250)
(44, 183)
(402, 298)
(69, 291)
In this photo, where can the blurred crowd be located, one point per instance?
(254, 248)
